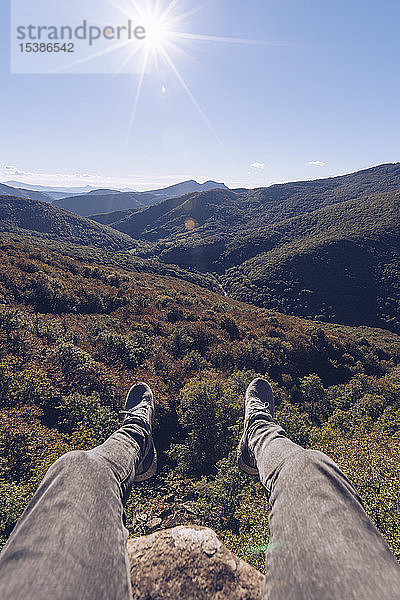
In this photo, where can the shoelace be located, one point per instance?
(139, 412)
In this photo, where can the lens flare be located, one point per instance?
(166, 42)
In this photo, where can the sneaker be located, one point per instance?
(259, 406)
(139, 410)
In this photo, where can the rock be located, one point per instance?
(154, 523)
(189, 563)
(142, 517)
(190, 507)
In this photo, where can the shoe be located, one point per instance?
(259, 406)
(139, 410)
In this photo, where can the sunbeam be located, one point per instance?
(137, 95)
(190, 94)
(164, 43)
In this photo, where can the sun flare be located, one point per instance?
(157, 32)
(166, 43)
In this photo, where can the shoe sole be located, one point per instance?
(243, 466)
(151, 471)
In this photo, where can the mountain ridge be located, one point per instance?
(98, 203)
(22, 215)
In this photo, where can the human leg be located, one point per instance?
(71, 541)
(322, 543)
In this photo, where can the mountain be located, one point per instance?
(229, 211)
(169, 218)
(103, 192)
(7, 190)
(99, 202)
(187, 187)
(338, 264)
(58, 193)
(326, 249)
(39, 219)
(87, 204)
(54, 193)
(49, 190)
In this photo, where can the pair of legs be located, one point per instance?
(71, 541)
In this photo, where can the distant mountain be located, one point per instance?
(47, 188)
(7, 190)
(99, 202)
(54, 193)
(39, 219)
(103, 192)
(326, 249)
(187, 187)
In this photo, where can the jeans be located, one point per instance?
(323, 546)
(70, 543)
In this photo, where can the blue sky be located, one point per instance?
(324, 89)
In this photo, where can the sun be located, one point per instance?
(159, 22)
(157, 31)
(166, 43)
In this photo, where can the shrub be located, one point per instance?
(174, 315)
(229, 325)
(207, 415)
(193, 336)
(250, 354)
(25, 385)
(26, 443)
(314, 398)
(73, 360)
(12, 504)
(131, 350)
(48, 294)
(297, 425)
(193, 361)
(77, 409)
(220, 497)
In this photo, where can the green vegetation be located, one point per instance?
(31, 217)
(326, 250)
(77, 327)
(226, 212)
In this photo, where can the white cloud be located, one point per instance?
(258, 165)
(15, 171)
(317, 163)
(47, 178)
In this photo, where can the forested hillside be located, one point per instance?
(76, 331)
(31, 217)
(340, 263)
(227, 212)
(326, 250)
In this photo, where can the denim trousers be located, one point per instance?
(70, 543)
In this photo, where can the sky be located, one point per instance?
(318, 97)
